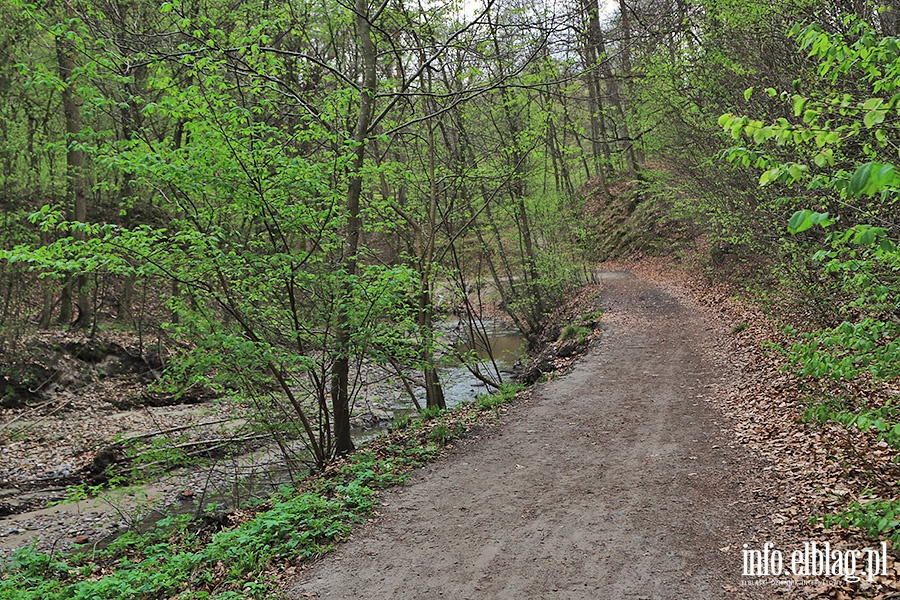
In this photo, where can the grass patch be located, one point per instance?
(575, 332)
(443, 433)
(590, 319)
(431, 412)
(505, 394)
(400, 422)
(165, 562)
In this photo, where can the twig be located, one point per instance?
(142, 436)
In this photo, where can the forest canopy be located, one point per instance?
(280, 192)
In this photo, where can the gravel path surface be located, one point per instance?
(616, 480)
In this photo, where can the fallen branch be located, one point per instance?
(143, 436)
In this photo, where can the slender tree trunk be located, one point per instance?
(599, 143)
(75, 185)
(518, 191)
(65, 302)
(123, 308)
(632, 150)
(340, 372)
(46, 304)
(434, 393)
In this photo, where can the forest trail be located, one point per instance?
(615, 480)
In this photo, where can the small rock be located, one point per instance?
(81, 539)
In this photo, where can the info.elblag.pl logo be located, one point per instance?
(816, 560)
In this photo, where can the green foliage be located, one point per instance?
(839, 147)
(884, 420)
(440, 434)
(431, 412)
(400, 422)
(502, 396)
(575, 332)
(591, 319)
(739, 328)
(878, 518)
(165, 562)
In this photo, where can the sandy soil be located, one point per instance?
(616, 480)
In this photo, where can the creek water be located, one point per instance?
(493, 349)
(497, 347)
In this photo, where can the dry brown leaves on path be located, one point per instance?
(811, 469)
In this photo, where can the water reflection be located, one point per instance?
(458, 382)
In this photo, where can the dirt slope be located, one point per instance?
(616, 480)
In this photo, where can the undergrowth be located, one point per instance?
(504, 395)
(174, 561)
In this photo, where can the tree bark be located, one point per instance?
(599, 144)
(632, 150)
(434, 393)
(75, 185)
(340, 372)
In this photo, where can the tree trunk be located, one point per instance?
(434, 393)
(599, 143)
(75, 186)
(340, 371)
(518, 183)
(632, 150)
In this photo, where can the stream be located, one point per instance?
(228, 482)
(498, 346)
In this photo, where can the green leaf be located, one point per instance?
(822, 219)
(866, 237)
(747, 93)
(885, 176)
(872, 103)
(797, 171)
(874, 117)
(800, 221)
(860, 179)
(769, 176)
(824, 158)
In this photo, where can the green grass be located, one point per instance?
(505, 394)
(165, 563)
(431, 412)
(400, 422)
(575, 332)
(589, 318)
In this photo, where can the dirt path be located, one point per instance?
(616, 480)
